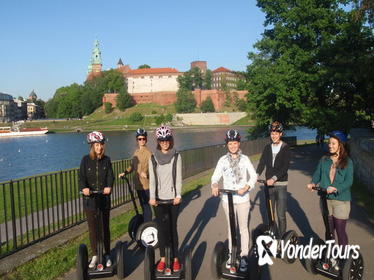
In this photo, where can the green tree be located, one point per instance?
(136, 117)
(207, 105)
(108, 107)
(160, 119)
(124, 100)
(168, 117)
(185, 101)
(144, 66)
(207, 83)
(312, 66)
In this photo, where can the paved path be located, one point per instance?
(202, 224)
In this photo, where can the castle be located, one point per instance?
(160, 85)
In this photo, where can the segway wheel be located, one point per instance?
(82, 262)
(294, 240)
(134, 224)
(217, 260)
(147, 235)
(353, 269)
(310, 264)
(149, 263)
(187, 263)
(120, 254)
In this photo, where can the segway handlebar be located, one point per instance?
(320, 189)
(228, 191)
(261, 181)
(94, 192)
(165, 201)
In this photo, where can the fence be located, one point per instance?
(37, 207)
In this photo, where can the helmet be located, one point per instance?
(163, 133)
(141, 132)
(95, 137)
(339, 135)
(275, 126)
(232, 135)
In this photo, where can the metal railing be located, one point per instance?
(37, 207)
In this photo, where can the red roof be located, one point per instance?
(221, 69)
(145, 71)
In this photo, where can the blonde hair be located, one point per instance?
(92, 153)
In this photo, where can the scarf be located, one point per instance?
(234, 165)
(164, 158)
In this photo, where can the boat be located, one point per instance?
(8, 131)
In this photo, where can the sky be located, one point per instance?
(47, 44)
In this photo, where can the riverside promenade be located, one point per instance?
(202, 223)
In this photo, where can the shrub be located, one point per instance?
(108, 107)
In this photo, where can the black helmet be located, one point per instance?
(275, 126)
(141, 132)
(232, 135)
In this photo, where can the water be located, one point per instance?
(26, 156)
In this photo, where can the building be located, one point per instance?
(95, 66)
(21, 112)
(202, 65)
(224, 79)
(33, 96)
(7, 108)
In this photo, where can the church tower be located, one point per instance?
(94, 68)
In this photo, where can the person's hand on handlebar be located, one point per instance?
(243, 190)
(107, 190)
(177, 200)
(311, 186)
(215, 191)
(152, 202)
(331, 189)
(270, 182)
(121, 175)
(86, 191)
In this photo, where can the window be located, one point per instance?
(169, 76)
(142, 77)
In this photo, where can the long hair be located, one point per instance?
(171, 141)
(93, 155)
(343, 155)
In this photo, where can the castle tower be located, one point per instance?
(95, 64)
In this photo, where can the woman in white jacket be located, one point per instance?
(238, 174)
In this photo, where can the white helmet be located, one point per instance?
(163, 133)
(95, 137)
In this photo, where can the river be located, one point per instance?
(26, 156)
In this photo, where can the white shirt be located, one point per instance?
(275, 148)
(248, 177)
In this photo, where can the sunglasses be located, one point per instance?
(142, 139)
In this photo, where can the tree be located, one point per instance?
(207, 83)
(207, 105)
(185, 101)
(136, 117)
(108, 107)
(312, 66)
(20, 98)
(144, 66)
(124, 100)
(193, 79)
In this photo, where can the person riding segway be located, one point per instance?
(96, 181)
(141, 228)
(334, 174)
(165, 174)
(234, 168)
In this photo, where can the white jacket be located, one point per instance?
(248, 175)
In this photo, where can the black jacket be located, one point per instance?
(96, 174)
(281, 163)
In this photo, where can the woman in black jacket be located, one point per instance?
(96, 174)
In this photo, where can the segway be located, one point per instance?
(150, 271)
(118, 267)
(350, 268)
(271, 229)
(144, 234)
(218, 266)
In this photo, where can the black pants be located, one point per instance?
(92, 221)
(166, 217)
(278, 197)
(143, 196)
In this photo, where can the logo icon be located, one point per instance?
(266, 248)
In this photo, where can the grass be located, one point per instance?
(363, 197)
(245, 121)
(61, 259)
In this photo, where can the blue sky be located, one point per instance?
(47, 44)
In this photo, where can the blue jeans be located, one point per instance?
(278, 197)
(143, 196)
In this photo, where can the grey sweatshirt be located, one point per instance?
(165, 179)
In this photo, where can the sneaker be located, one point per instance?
(335, 264)
(108, 261)
(176, 266)
(243, 264)
(160, 266)
(228, 262)
(93, 262)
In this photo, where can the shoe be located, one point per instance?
(176, 266)
(335, 264)
(160, 266)
(108, 261)
(243, 264)
(228, 262)
(93, 262)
